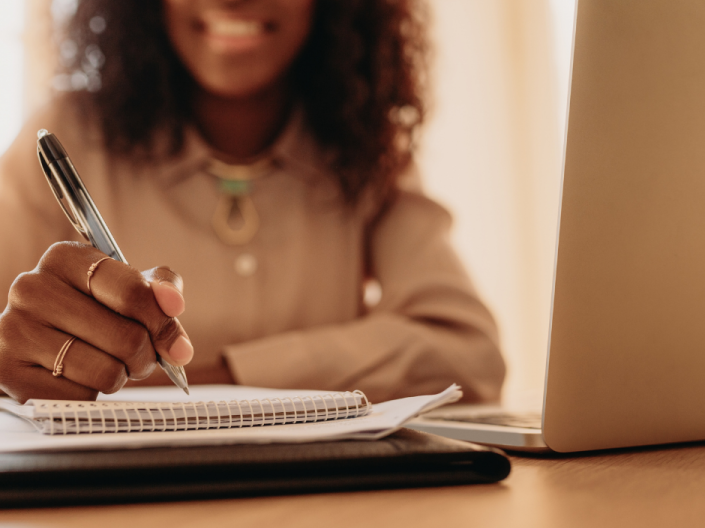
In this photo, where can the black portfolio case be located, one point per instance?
(404, 459)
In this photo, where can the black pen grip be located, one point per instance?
(52, 148)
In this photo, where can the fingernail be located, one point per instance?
(171, 285)
(181, 351)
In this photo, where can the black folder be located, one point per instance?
(404, 459)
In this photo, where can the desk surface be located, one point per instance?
(649, 487)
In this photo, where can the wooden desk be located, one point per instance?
(651, 487)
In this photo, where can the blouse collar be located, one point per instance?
(295, 150)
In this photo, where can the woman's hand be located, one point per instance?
(120, 325)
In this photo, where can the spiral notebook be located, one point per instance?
(211, 415)
(73, 417)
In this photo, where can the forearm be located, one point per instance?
(385, 355)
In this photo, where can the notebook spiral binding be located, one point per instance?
(114, 417)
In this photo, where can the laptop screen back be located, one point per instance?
(627, 346)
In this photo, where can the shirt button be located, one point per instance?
(246, 265)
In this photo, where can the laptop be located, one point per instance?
(626, 358)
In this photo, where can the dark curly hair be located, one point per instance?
(360, 76)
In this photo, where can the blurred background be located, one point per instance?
(492, 150)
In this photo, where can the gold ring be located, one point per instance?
(59, 363)
(91, 271)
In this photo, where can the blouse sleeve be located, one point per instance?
(429, 329)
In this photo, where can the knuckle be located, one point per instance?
(135, 294)
(13, 379)
(137, 341)
(7, 374)
(139, 353)
(13, 363)
(111, 378)
(24, 289)
(58, 254)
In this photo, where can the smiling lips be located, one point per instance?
(234, 28)
(229, 34)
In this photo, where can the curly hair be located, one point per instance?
(360, 77)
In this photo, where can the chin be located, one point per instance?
(235, 87)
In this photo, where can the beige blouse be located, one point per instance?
(285, 310)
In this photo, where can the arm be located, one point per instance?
(428, 331)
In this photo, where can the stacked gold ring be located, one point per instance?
(59, 363)
(91, 272)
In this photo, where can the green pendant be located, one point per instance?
(235, 187)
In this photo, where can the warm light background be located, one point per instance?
(492, 151)
(493, 154)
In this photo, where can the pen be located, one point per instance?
(79, 208)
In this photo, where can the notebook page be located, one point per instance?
(16, 435)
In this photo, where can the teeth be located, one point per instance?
(235, 28)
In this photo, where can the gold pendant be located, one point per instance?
(221, 220)
(235, 185)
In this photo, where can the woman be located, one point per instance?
(262, 149)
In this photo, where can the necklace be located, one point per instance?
(235, 183)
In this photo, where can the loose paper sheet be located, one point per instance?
(18, 435)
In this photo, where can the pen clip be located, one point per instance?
(61, 193)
